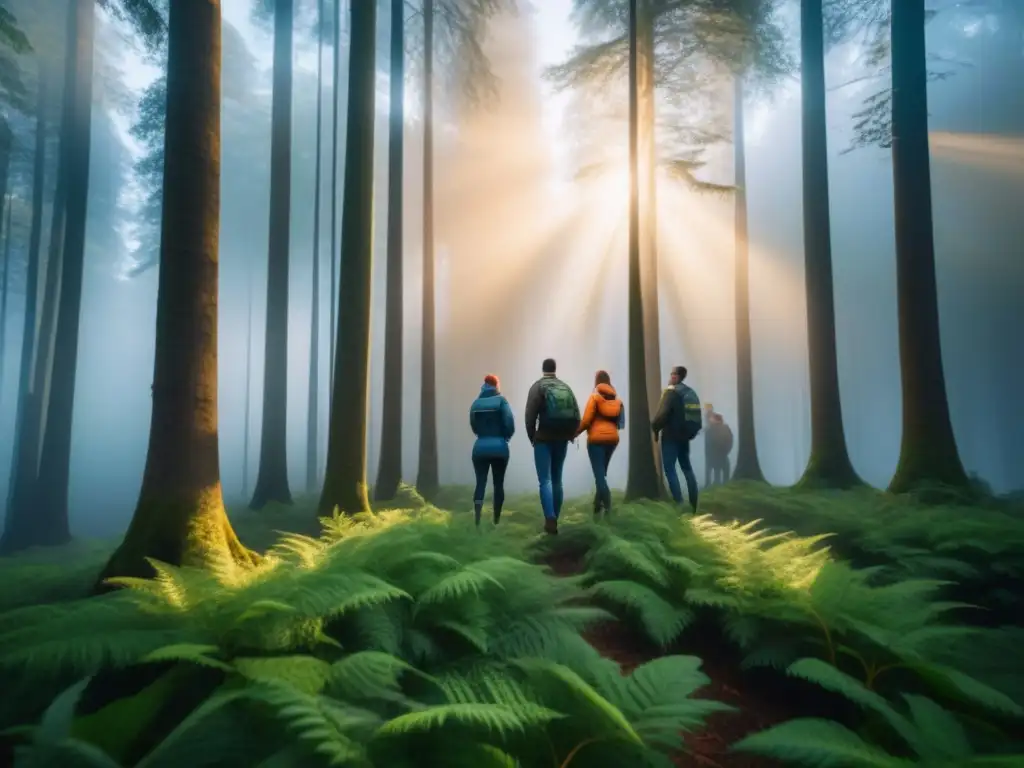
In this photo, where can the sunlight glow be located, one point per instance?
(1004, 154)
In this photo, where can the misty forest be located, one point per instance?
(297, 295)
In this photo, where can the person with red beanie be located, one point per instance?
(490, 418)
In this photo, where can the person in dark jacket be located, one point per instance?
(604, 416)
(717, 445)
(676, 423)
(552, 419)
(490, 418)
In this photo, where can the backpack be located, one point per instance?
(691, 420)
(561, 414)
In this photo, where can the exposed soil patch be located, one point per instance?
(709, 747)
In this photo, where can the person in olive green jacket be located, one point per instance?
(676, 423)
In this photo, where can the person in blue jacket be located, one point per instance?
(490, 418)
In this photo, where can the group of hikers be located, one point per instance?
(553, 420)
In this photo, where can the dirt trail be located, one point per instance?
(708, 747)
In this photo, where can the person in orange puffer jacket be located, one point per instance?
(603, 418)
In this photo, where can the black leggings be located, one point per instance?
(497, 467)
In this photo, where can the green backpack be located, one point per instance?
(691, 419)
(561, 414)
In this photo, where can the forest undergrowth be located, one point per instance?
(834, 633)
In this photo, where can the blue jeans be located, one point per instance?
(549, 458)
(600, 457)
(678, 452)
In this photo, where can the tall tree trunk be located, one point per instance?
(23, 460)
(389, 469)
(26, 527)
(928, 451)
(180, 517)
(648, 208)
(6, 288)
(55, 458)
(345, 483)
(333, 323)
(6, 141)
(642, 480)
(272, 475)
(829, 463)
(248, 391)
(6, 144)
(748, 467)
(313, 412)
(427, 480)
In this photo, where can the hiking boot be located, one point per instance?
(477, 509)
(550, 526)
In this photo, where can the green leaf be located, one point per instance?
(191, 652)
(571, 684)
(819, 743)
(304, 673)
(956, 683)
(942, 736)
(492, 717)
(831, 679)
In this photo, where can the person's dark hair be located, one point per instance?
(548, 366)
(602, 377)
(680, 371)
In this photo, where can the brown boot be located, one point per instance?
(550, 526)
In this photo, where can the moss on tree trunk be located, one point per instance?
(345, 482)
(829, 463)
(272, 475)
(928, 451)
(180, 516)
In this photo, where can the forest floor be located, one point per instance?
(707, 747)
(974, 544)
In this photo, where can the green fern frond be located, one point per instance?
(776, 655)
(179, 746)
(303, 673)
(476, 637)
(619, 558)
(497, 718)
(662, 621)
(656, 699)
(329, 729)
(52, 743)
(366, 674)
(831, 679)
(468, 580)
(817, 743)
(572, 694)
(194, 653)
(305, 551)
(949, 681)
(942, 738)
